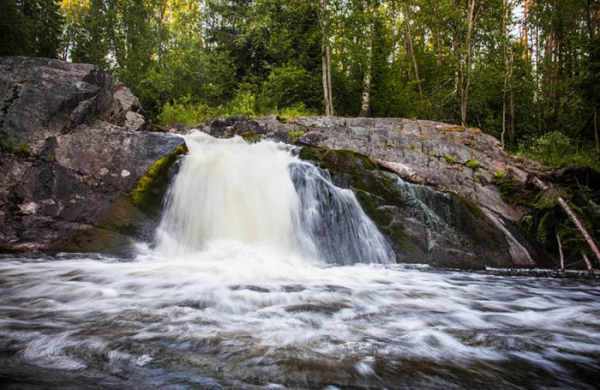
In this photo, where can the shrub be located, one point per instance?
(473, 164)
(295, 111)
(557, 150)
(288, 86)
(450, 160)
(243, 103)
(295, 135)
(184, 110)
(500, 174)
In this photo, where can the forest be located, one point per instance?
(524, 71)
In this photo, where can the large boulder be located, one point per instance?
(79, 172)
(428, 186)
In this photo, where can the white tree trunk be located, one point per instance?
(326, 61)
(411, 48)
(466, 73)
(365, 105)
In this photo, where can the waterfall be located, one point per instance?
(263, 196)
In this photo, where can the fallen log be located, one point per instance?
(567, 209)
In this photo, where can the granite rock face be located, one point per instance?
(424, 152)
(445, 211)
(82, 173)
(72, 151)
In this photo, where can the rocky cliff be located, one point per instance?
(428, 185)
(79, 171)
(82, 173)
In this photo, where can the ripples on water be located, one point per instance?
(241, 317)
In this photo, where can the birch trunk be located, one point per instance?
(588, 264)
(411, 49)
(504, 22)
(326, 61)
(365, 105)
(467, 65)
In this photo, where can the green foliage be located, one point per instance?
(546, 218)
(450, 160)
(290, 86)
(548, 199)
(500, 174)
(514, 192)
(295, 111)
(243, 103)
(265, 57)
(20, 150)
(557, 150)
(30, 28)
(473, 164)
(295, 135)
(184, 110)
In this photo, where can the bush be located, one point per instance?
(450, 160)
(500, 174)
(557, 150)
(243, 103)
(473, 164)
(295, 111)
(184, 110)
(289, 86)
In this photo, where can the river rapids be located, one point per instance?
(263, 274)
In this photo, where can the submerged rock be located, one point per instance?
(79, 172)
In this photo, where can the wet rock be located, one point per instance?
(423, 224)
(451, 168)
(79, 175)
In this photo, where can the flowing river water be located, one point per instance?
(265, 275)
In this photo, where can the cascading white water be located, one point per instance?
(261, 195)
(228, 299)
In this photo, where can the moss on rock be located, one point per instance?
(545, 218)
(124, 218)
(20, 150)
(95, 240)
(250, 137)
(148, 194)
(376, 192)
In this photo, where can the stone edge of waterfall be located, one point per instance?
(68, 184)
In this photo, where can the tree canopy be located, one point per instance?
(525, 71)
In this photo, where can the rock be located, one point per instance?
(78, 173)
(434, 209)
(81, 174)
(424, 225)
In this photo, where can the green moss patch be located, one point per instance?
(250, 137)
(545, 218)
(148, 194)
(375, 191)
(97, 240)
(18, 149)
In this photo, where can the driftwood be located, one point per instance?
(567, 209)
